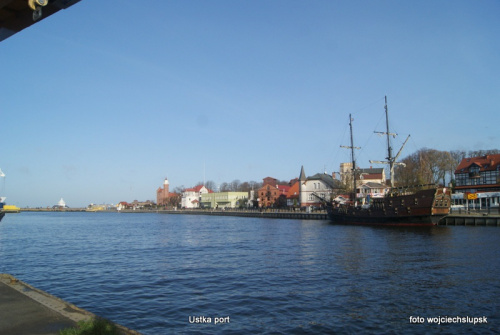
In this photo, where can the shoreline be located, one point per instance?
(273, 214)
(453, 219)
(30, 310)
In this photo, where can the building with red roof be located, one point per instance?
(478, 174)
(162, 194)
(270, 193)
(191, 197)
(292, 198)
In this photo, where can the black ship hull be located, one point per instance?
(424, 220)
(422, 208)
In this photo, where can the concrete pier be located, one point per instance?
(28, 310)
(270, 214)
(483, 219)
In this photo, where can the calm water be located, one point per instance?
(156, 273)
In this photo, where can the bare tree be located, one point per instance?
(437, 164)
(209, 184)
(255, 185)
(426, 166)
(174, 200)
(456, 157)
(245, 187)
(235, 185)
(479, 153)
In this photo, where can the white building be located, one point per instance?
(311, 189)
(369, 182)
(191, 197)
(373, 190)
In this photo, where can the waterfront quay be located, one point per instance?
(455, 218)
(264, 213)
(475, 218)
(471, 219)
(28, 310)
(269, 213)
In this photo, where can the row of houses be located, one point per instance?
(472, 175)
(299, 192)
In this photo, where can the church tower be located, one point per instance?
(302, 188)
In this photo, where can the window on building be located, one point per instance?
(461, 179)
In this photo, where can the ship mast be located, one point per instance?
(389, 148)
(391, 161)
(353, 160)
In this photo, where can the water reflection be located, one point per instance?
(151, 271)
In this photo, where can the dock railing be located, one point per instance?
(475, 211)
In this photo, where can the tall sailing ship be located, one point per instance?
(419, 205)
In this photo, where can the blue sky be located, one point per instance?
(99, 103)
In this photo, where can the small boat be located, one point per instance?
(2, 204)
(418, 205)
(2, 199)
(11, 209)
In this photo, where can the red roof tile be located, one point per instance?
(293, 192)
(197, 189)
(485, 163)
(283, 188)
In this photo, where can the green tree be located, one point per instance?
(280, 202)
